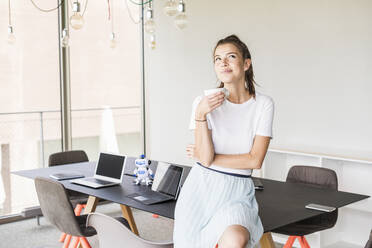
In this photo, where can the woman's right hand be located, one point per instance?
(208, 104)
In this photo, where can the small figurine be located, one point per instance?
(142, 172)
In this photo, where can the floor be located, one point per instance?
(28, 234)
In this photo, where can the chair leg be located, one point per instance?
(306, 242)
(75, 242)
(62, 238)
(77, 211)
(79, 208)
(66, 244)
(290, 242)
(303, 242)
(84, 242)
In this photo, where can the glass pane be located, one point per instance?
(106, 81)
(29, 99)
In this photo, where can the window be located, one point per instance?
(105, 90)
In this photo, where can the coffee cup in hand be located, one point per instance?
(212, 91)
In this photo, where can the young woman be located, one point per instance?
(217, 203)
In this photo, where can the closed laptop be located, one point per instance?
(165, 187)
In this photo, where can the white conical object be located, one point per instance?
(108, 141)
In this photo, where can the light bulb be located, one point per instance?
(181, 21)
(152, 43)
(170, 8)
(11, 36)
(150, 26)
(65, 38)
(113, 41)
(76, 20)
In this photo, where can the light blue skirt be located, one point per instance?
(210, 202)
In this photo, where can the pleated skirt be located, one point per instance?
(211, 201)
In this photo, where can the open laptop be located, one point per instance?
(166, 185)
(109, 171)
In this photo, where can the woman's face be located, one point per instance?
(229, 64)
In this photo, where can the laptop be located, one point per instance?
(165, 187)
(109, 171)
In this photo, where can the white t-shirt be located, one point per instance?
(234, 126)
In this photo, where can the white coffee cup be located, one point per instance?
(212, 91)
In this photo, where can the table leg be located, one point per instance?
(90, 208)
(266, 241)
(127, 214)
(91, 204)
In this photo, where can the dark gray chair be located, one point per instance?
(317, 177)
(77, 199)
(369, 242)
(56, 207)
(70, 157)
(67, 157)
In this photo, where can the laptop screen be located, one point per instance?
(167, 179)
(110, 165)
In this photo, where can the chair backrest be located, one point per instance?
(319, 177)
(113, 234)
(67, 157)
(56, 207)
(316, 176)
(369, 242)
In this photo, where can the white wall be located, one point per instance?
(312, 57)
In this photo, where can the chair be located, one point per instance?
(57, 208)
(67, 157)
(70, 157)
(112, 234)
(77, 199)
(318, 177)
(369, 242)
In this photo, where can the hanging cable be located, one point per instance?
(130, 13)
(85, 7)
(113, 41)
(47, 10)
(10, 19)
(140, 3)
(109, 9)
(112, 16)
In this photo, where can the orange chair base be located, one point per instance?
(83, 241)
(65, 238)
(301, 239)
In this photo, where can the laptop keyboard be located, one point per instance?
(98, 181)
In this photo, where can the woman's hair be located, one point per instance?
(243, 49)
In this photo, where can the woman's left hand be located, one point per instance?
(190, 150)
